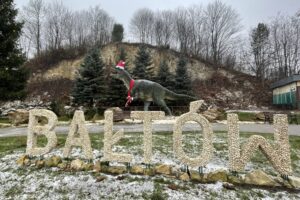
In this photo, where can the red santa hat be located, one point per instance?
(121, 64)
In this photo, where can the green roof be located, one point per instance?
(285, 81)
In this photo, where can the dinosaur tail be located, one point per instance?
(174, 96)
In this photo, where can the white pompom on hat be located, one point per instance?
(121, 64)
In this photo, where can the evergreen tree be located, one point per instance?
(164, 77)
(117, 92)
(12, 76)
(117, 33)
(142, 64)
(90, 86)
(182, 79)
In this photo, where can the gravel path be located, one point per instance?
(94, 128)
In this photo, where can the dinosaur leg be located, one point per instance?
(163, 104)
(146, 105)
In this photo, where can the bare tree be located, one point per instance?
(223, 24)
(142, 25)
(101, 26)
(55, 24)
(285, 40)
(182, 28)
(32, 15)
(163, 28)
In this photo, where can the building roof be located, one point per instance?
(285, 81)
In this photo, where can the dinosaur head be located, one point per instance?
(118, 73)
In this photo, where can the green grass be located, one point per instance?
(244, 116)
(4, 120)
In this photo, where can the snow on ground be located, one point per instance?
(50, 183)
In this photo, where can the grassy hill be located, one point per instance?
(220, 86)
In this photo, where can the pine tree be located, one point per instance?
(117, 33)
(117, 91)
(182, 79)
(12, 76)
(90, 86)
(164, 77)
(142, 68)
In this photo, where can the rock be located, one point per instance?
(118, 114)
(173, 187)
(40, 164)
(49, 162)
(260, 178)
(163, 169)
(260, 116)
(211, 114)
(235, 179)
(88, 166)
(195, 176)
(137, 169)
(18, 116)
(97, 166)
(62, 165)
(184, 177)
(21, 160)
(228, 186)
(219, 175)
(77, 165)
(100, 178)
(294, 181)
(119, 178)
(149, 172)
(117, 169)
(56, 160)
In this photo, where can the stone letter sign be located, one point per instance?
(278, 154)
(35, 129)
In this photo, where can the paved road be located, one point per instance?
(93, 128)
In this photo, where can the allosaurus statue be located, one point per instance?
(147, 91)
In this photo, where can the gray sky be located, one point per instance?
(251, 11)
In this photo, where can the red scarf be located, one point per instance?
(129, 98)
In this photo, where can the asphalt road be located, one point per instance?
(94, 128)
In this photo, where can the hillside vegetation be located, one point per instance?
(216, 85)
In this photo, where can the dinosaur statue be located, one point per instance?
(145, 90)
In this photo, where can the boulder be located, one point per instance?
(18, 116)
(100, 178)
(228, 186)
(219, 175)
(62, 165)
(212, 114)
(163, 169)
(195, 176)
(149, 172)
(40, 164)
(235, 179)
(56, 160)
(294, 181)
(137, 169)
(88, 166)
(260, 178)
(118, 114)
(117, 170)
(97, 166)
(260, 116)
(21, 160)
(77, 165)
(49, 162)
(184, 177)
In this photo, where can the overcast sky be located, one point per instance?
(251, 11)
